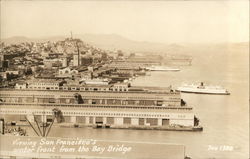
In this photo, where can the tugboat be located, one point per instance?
(202, 89)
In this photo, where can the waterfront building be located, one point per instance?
(44, 84)
(95, 81)
(113, 94)
(117, 116)
(124, 66)
(118, 106)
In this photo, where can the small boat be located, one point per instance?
(203, 89)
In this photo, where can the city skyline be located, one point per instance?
(164, 22)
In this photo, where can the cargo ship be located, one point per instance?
(203, 89)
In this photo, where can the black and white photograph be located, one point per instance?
(124, 79)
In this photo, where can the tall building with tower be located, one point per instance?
(76, 59)
(1, 60)
(64, 61)
(76, 56)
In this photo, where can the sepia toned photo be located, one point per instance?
(124, 79)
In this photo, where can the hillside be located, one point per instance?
(116, 42)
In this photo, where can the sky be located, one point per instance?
(154, 21)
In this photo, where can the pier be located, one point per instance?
(112, 115)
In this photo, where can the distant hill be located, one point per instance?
(20, 39)
(107, 42)
(116, 42)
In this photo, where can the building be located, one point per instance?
(118, 94)
(124, 66)
(49, 63)
(44, 84)
(117, 117)
(96, 81)
(1, 60)
(120, 87)
(8, 75)
(21, 85)
(76, 59)
(64, 62)
(118, 106)
(4, 63)
(67, 70)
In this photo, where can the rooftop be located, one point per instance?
(43, 81)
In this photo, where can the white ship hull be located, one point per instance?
(203, 90)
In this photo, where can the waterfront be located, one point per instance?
(224, 118)
(75, 79)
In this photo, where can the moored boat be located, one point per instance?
(203, 89)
